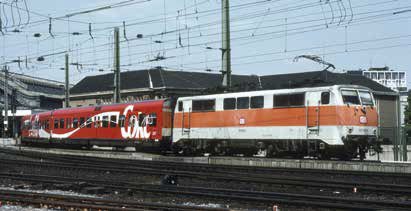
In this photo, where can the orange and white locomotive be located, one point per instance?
(333, 121)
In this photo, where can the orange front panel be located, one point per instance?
(328, 115)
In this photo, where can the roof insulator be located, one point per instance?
(76, 33)
(40, 59)
(139, 36)
(37, 35)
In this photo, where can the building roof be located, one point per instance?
(159, 78)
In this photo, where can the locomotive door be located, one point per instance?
(313, 114)
(186, 124)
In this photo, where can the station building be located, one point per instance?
(27, 95)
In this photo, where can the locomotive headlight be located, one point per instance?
(350, 130)
(375, 131)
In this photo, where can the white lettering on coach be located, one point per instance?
(133, 129)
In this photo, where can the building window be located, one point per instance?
(380, 76)
(373, 75)
(367, 75)
(402, 76)
(395, 75)
(203, 105)
(257, 102)
(142, 120)
(387, 75)
(229, 103)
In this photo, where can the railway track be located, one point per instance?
(307, 200)
(76, 202)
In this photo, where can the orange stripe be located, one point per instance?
(328, 115)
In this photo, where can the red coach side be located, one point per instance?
(139, 124)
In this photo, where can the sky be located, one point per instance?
(185, 35)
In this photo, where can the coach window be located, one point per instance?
(105, 121)
(243, 103)
(81, 122)
(152, 119)
(75, 123)
(203, 105)
(56, 124)
(113, 121)
(229, 104)
(180, 105)
(142, 120)
(325, 98)
(88, 122)
(122, 120)
(61, 123)
(257, 102)
(68, 123)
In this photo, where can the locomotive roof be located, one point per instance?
(146, 80)
(279, 91)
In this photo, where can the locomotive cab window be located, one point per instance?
(229, 103)
(243, 103)
(203, 105)
(366, 98)
(289, 100)
(350, 97)
(325, 98)
(257, 102)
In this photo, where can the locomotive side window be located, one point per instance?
(56, 123)
(325, 98)
(105, 121)
(75, 123)
(243, 103)
(47, 124)
(203, 105)
(113, 121)
(257, 102)
(180, 105)
(61, 123)
(122, 120)
(229, 103)
(89, 122)
(289, 100)
(350, 97)
(366, 98)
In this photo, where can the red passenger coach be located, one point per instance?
(140, 124)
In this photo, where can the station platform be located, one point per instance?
(386, 167)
